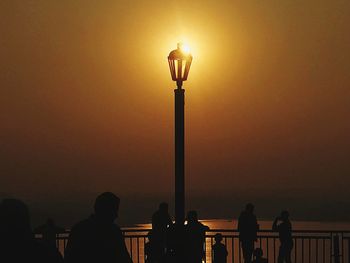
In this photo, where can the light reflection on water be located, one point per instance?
(267, 224)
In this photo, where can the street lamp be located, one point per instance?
(179, 64)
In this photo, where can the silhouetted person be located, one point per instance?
(219, 250)
(98, 238)
(170, 244)
(17, 242)
(49, 232)
(248, 228)
(161, 221)
(283, 226)
(258, 256)
(194, 238)
(149, 250)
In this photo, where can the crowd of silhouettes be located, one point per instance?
(99, 239)
(161, 243)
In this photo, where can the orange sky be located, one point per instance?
(86, 101)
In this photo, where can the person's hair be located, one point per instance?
(14, 218)
(106, 202)
(218, 237)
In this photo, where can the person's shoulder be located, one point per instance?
(82, 225)
(156, 213)
(205, 227)
(216, 246)
(116, 229)
(202, 226)
(222, 245)
(155, 217)
(243, 214)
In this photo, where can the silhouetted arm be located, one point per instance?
(275, 225)
(256, 224)
(123, 253)
(239, 226)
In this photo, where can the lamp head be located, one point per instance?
(179, 63)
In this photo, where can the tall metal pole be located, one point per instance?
(179, 172)
(179, 155)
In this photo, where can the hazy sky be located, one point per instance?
(86, 99)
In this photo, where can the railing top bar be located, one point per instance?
(276, 237)
(130, 230)
(260, 231)
(294, 231)
(230, 236)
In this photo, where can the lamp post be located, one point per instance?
(179, 64)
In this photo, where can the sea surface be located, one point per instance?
(267, 224)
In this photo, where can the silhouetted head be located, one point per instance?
(107, 206)
(218, 237)
(163, 207)
(284, 215)
(192, 216)
(14, 219)
(258, 253)
(249, 208)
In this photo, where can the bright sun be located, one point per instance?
(185, 48)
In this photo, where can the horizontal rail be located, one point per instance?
(260, 231)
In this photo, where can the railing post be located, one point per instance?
(348, 239)
(336, 250)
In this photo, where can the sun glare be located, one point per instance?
(185, 48)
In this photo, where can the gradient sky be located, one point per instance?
(86, 99)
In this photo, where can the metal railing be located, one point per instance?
(309, 246)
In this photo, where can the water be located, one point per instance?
(267, 224)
